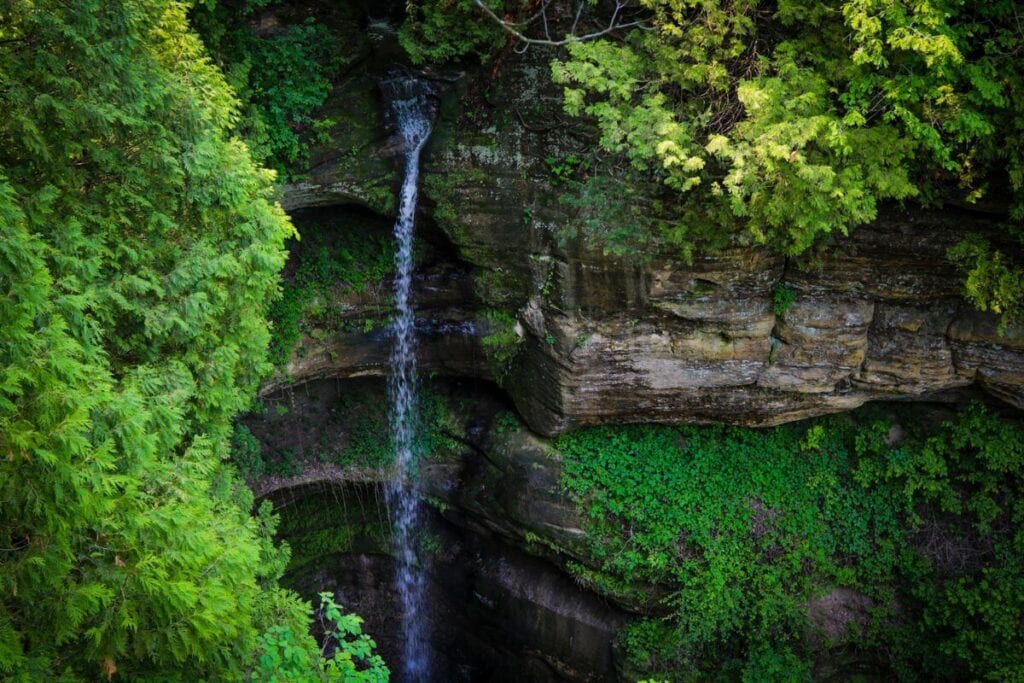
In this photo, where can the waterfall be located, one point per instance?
(413, 121)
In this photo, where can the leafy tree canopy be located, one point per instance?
(139, 251)
(441, 30)
(782, 123)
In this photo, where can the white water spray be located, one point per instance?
(414, 127)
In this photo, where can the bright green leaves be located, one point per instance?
(282, 78)
(602, 67)
(284, 658)
(788, 165)
(796, 126)
(919, 66)
(881, 28)
(994, 282)
(699, 510)
(140, 250)
(797, 171)
(354, 659)
(645, 130)
(501, 342)
(962, 469)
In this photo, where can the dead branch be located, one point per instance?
(616, 23)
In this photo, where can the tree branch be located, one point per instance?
(514, 28)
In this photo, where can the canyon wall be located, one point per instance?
(602, 339)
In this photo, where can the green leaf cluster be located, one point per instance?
(335, 258)
(745, 528)
(320, 525)
(993, 282)
(283, 660)
(281, 78)
(782, 299)
(799, 119)
(501, 343)
(447, 30)
(246, 453)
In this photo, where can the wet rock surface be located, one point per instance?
(497, 535)
(495, 612)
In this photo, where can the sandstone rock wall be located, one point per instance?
(609, 340)
(879, 317)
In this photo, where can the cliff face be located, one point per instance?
(576, 337)
(878, 319)
(612, 340)
(494, 538)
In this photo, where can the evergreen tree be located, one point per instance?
(139, 249)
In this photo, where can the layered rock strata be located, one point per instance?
(876, 315)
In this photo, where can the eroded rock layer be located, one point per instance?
(877, 315)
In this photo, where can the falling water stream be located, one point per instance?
(414, 123)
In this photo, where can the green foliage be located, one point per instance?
(353, 659)
(782, 298)
(501, 342)
(369, 441)
(246, 453)
(333, 259)
(506, 423)
(970, 471)
(767, 663)
(140, 249)
(446, 30)
(282, 660)
(799, 120)
(564, 168)
(745, 527)
(288, 79)
(283, 463)
(328, 522)
(527, 216)
(430, 545)
(651, 643)
(281, 79)
(994, 282)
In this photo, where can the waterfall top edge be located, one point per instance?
(412, 102)
(400, 84)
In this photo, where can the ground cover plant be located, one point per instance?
(335, 256)
(744, 529)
